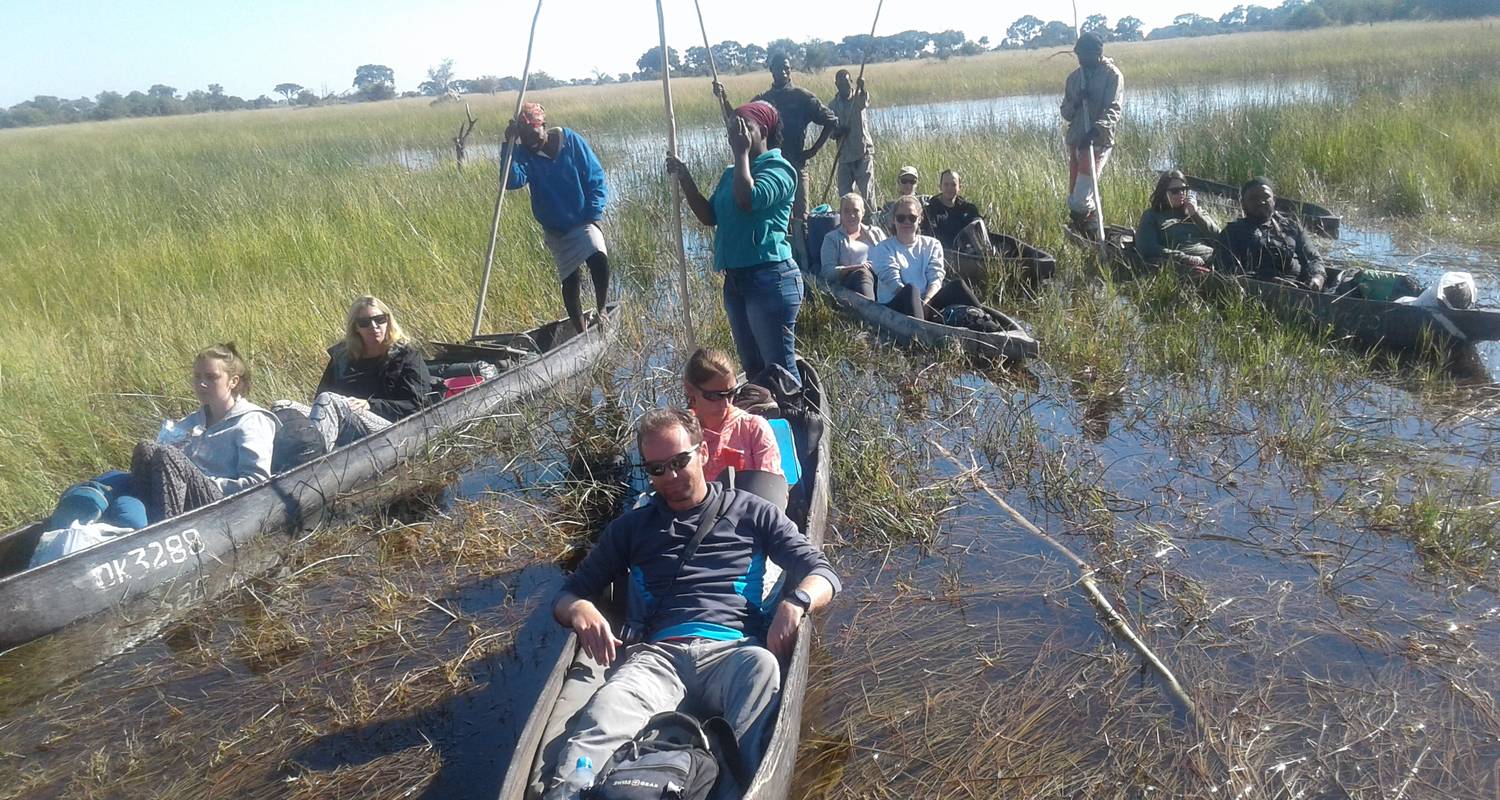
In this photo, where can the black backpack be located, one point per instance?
(674, 756)
(297, 441)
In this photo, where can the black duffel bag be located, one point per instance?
(674, 756)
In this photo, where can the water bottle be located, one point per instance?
(581, 778)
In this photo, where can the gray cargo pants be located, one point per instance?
(739, 681)
(854, 176)
(337, 421)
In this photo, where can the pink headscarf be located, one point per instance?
(761, 113)
(534, 115)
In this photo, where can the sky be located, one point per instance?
(73, 48)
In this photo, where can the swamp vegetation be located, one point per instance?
(1306, 534)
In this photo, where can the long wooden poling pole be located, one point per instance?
(713, 68)
(682, 270)
(863, 58)
(1112, 618)
(509, 147)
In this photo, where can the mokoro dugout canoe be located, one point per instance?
(574, 677)
(1011, 344)
(1314, 217)
(203, 553)
(1014, 259)
(1370, 323)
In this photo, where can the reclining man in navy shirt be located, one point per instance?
(705, 644)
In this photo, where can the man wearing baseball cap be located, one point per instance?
(906, 184)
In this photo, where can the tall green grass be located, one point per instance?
(129, 245)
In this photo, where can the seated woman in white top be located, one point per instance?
(846, 249)
(909, 269)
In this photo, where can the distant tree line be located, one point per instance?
(378, 82)
(158, 101)
(814, 55)
(1031, 32)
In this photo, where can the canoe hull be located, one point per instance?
(180, 562)
(773, 779)
(1017, 260)
(1370, 323)
(1014, 344)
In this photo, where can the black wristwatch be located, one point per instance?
(800, 599)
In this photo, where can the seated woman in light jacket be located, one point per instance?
(222, 448)
(846, 249)
(909, 269)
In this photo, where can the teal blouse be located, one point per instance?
(745, 239)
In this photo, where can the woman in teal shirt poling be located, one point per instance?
(749, 211)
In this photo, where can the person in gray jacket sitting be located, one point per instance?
(222, 448)
(699, 635)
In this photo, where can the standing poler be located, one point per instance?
(568, 195)
(797, 108)
(856, 151)
(1091, 105)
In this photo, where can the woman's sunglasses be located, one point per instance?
(676, 463)
(719, 394)
(370, 322)
(908, 219)
(1177, 190)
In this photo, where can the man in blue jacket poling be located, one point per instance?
(568, 195)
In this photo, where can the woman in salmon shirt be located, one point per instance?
(735, 438)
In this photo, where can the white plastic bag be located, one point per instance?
(1451, 284)
(78, 536)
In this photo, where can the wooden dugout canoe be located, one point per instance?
(1011, 344)
(1370, 323)
(574, 677)
(1015, 259)
(1314, 217)
(205, 552)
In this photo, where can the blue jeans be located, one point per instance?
(762, 304)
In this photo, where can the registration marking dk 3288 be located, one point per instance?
(142, 561)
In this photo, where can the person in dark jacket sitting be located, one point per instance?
(375, 377)
(1269, 244)
(1174, 230)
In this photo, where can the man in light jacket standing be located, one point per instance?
(856, 152)
(1091, 106)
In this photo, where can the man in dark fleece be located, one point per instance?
(1269, 244)
(709, 639)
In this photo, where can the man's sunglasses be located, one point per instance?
(909, 219)
(719, 394)
(676, 463)
(370, 322)
(911, 181)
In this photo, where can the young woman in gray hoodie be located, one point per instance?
(222, 448)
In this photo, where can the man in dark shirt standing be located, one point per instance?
(798, 108)
(706, 638)
(1268, 244)
(954, 221)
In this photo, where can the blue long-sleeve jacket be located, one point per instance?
(567, 191)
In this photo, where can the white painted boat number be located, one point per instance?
(144, 560)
